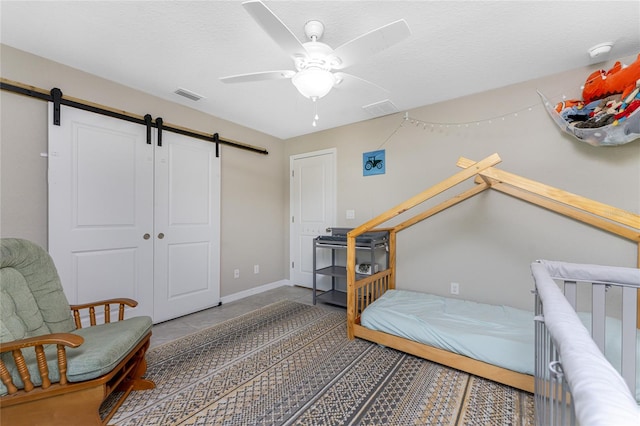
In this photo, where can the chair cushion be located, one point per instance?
(32, 301)
(104, 346)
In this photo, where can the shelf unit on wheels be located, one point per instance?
(375, 243)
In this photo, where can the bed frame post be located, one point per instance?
(392, 259)
(351, 280)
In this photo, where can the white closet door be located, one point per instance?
(313, 213)
(101, 207)
(187, 226)
(132, 219)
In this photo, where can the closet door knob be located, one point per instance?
(146, 236)
(161, 235)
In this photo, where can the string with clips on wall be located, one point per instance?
(408, 120)
(623, 81)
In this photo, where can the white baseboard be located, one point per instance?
(257, 290)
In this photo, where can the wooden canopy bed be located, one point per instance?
(362, 292)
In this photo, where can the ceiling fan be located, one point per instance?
(315, 62)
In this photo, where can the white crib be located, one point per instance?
(574, 382)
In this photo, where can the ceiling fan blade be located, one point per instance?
(357, 85)
(371, 43)
(258, 76)
(276, 29)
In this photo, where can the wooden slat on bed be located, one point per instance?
(459, 362)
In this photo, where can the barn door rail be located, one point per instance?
(56, 96)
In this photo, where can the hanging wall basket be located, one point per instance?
(615, 134)
(609, 111)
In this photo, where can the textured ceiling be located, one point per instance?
(456, 48)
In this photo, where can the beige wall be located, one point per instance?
(487, 243)
(249, 235)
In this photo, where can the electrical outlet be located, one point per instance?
(256, 269)
(455, 288)
(236, 273)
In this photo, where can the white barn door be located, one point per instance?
(187, 227)
(132, 219)
(101, 207)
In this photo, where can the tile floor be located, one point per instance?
(173, 329)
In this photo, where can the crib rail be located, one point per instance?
(574, 382)
(368, 289)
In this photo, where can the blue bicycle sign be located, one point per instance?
(373, 163)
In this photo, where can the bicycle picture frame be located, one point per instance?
(374, 163)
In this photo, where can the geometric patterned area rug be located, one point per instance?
(292, 364)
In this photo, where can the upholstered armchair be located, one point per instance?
(52, 369)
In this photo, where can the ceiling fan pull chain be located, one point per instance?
(315, 118)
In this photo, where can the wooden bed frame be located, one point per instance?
(363, 292)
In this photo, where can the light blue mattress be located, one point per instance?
(499, 335)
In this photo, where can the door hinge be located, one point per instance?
(292, 173)
(293, 219)
(292, 263)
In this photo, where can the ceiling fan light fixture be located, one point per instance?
(313, 83)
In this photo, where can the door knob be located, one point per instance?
(146, 236)
(161, 235)
(328, 230)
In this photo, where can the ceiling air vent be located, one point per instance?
(188, 94)
(381, 108)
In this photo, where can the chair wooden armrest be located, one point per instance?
(15, 347)
(106, 304)
(66, 339)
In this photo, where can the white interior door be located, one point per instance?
(187, 226)
(100, 208)
(313, 212)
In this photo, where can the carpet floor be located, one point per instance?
(292, 364)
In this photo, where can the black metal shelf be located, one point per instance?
(337, 271)
(333, 297)
(337, 241)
